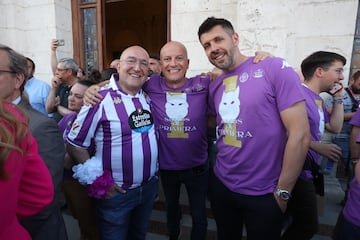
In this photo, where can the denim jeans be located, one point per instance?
(196, 182)
(126, 215)
(344, 144)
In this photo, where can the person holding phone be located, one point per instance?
(322, 71)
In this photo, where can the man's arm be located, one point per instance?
(63, 110)
(357, 172)
(328, 150)
(337, 113)
(336, 118)
(91, 96)
(78, 154)
(298, 132)
(51, 101)
(53, 57)
(354, 146)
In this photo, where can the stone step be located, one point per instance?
(329, 209)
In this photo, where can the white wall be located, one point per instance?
(28, 27)
(287, 28)
(291, 29)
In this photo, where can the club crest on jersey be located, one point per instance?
(259, 73)
(140, 120)
(117, 100)
(75, 128)
(244, 77)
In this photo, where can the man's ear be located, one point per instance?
(319, 72)
(20, 80)
(236, 39)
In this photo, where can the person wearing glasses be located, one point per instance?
(179, 106)
(322, 71)
(49, 223)
(61, 83)
(122, 175)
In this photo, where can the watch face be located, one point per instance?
(284, 196)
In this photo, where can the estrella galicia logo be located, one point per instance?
(140, 120)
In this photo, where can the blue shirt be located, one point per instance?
(38, 92)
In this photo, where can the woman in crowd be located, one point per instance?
(25, 182)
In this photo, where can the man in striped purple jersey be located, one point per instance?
(122, 126)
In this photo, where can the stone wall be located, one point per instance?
(29, 26)
(290, 29)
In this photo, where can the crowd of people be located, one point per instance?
(106, 140)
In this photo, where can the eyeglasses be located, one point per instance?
(131, 61)
(61, 69)
(7, 71)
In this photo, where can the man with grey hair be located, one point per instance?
(49, 223)
(61, 83)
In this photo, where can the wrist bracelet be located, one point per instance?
(338, 100)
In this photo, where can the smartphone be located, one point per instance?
(61, 42)
(337, 87)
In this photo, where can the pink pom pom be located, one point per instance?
(101, 185)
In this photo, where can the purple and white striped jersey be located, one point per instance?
(123, 130)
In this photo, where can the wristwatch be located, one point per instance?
(283, 194)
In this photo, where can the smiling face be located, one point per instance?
(174, 63)
(76, 96)
(133, 69)
(220, 47)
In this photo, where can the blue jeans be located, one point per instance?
(344, 144)
(196, 182)
(126, 215)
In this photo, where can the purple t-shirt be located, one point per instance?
(318, 116)
(355, 120)
(180, 117)
(352, 207)
(251, 136)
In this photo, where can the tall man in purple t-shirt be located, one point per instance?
(263, 136)
(122, 173)
(321, 70)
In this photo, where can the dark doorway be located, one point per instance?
(102, 29)
(134, 22)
